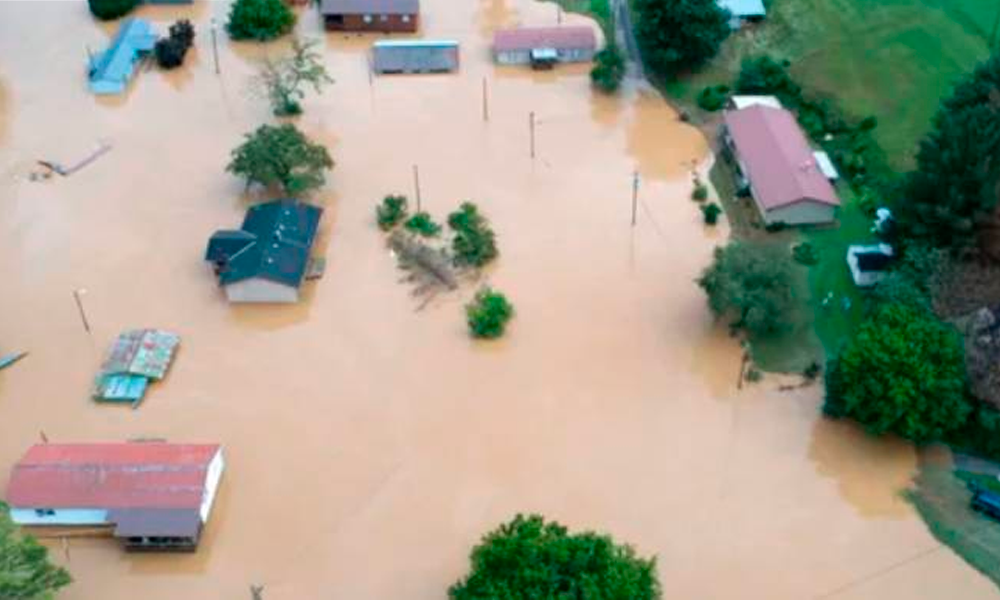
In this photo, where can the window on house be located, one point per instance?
(45, 512)
(406, 18)
(367, 18)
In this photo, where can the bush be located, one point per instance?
(776, 227)
(283, 80)
(107, 10)
(474, 244)
(281, 155)
(805, 254)
(710, 213)
(699, 193)
(904, 373)
(812, 371)
(391, 212)
(183, 32)
(713, 97)
(259, 20)
(170, 51)
(488, 314)
(422, 224)
(528, 558)
(752, 283)
(25, 569)
(609, 69)
(764, 75)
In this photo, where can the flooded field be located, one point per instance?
(369, 444)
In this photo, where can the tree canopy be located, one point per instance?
(107, 10)
(25, 570)
(752, 283)
(529, 559)
(953, 191)
(259, 20)
(904, 373)
(679, 35)
(281, 155)
(609, 69)
(285, 79)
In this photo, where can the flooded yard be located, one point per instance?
(369, 444)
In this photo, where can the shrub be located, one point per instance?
(710, 213)
(805, 254)
(904, 373)
(713, 97)
(764, 75)
(699, 193)
(474, 243)
(391, 212)
(751, 283)
(812, 371)
(281, 155)
(422, 224)
(754, 375)
(609, 69)
(259, 20)
(107, 10)
(170, 51)
(488, 314)
(25, 570)
(183, 32)
(528, 558)
(776, 226)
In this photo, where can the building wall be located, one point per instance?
(801, 213)
(523, 57)
(60, 516)
(261, 290)
(212, 479)
(375, 22)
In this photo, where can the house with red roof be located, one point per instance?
(151, 495)
(777, 167)
(563, 44)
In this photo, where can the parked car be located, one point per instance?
(987, 503)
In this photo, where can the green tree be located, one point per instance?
(259, 20)
(609, 69)
(25, 570)
(904, 373)
(676, 36)
(488, 314)
(107, 10)
(529, 559)
(285, 79)
(752, 284)
(281, 155)
(391, 212)
(953, 191)
(474, 243)
(422, 223)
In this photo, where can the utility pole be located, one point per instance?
(215, 45)
(635, 194)
(531, 130)
(416, 184)
(486, 106)
(79, 306)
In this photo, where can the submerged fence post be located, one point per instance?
(215, 45)
(531, 130)
(416, 184)
(486, 106)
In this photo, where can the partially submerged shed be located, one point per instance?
(136, 358)
(418, 56)
(153, 496)
(267, 258)
(566, 44)
(110, 71)
(371, 15)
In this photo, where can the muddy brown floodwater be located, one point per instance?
(370, 445)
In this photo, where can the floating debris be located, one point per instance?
(136, 358)
(8, 359)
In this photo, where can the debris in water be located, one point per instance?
(135, 358)
(8, 359)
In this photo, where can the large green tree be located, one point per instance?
(259, 20)
(679, 35)
(529, 559)
(953, 191)
(904, 373)
(752, 283)
(25, 570)
(280, 155)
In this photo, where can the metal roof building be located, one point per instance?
(571, 44)
(154, 495)
(774, 157)
(136, 357)
(111, 70)
(419, 56)
(266, 259)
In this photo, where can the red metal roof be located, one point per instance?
(111, 475)
(528, 38)
(779, 162)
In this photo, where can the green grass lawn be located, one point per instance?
(892, 58)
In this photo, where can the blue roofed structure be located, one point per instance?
(111, 70)
(415, 56)
(266, 259)
(743, 10)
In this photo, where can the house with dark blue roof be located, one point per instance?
(266, 259)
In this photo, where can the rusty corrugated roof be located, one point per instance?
(111, 475)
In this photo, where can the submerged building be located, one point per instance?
(266, 259)
(419, 56)
(563, 44)
(110, 71)
(151, 495)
